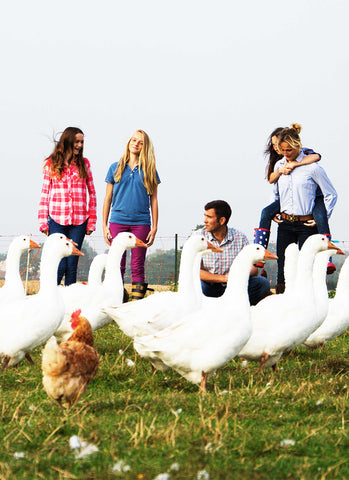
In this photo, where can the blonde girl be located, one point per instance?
(131, 203)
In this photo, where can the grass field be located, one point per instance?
(291, 424)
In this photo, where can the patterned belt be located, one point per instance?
(296, 218)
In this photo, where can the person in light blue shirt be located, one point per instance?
(262, 233)
(297, 193)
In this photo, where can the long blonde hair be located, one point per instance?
(291, 136)
(146, 163)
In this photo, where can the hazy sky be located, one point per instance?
(208, 80)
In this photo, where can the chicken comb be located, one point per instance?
(75, 316)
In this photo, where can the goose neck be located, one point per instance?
(238, 278)
(189, 268)
(112, 267)
(48, 269)
(12, 265)
(304, 281)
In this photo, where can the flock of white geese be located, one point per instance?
(184, 330)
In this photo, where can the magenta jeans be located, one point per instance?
(137, 254)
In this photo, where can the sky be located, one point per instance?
(207, 80)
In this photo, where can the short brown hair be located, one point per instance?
(222, 209)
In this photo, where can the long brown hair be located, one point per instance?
(64, 147)
(272, 155)
(146, 163)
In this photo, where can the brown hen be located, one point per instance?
(69, 367)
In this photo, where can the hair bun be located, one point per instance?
(297, 127)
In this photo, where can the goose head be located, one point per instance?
(125, 241)
(61, 245)
(198, 243)
(23, 243)
(318, 243)
(255, 253)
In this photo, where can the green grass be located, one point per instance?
(234, 431)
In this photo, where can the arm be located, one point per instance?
(92, 208)
(310, 157)
(217, 278)
(106, 210)
(307, 160)
(212, 277)
(154, 207)
(276, 174)
(328, 190)
(44, 203)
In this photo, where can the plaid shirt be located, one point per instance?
(65, 200)
(219, 263)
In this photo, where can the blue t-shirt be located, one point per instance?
(131, 202)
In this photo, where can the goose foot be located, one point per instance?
(29, 358)
(315, 347)
(262, 361)
(203, 384)
(5, 362)
(275, 367)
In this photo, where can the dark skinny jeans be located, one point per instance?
(290, 232)
(68, 266)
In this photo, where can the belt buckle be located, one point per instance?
(292, 218)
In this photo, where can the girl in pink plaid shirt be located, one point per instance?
(63, 204)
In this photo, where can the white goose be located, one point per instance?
(30, 322)
(320, 282)
(96, 269)
(13, 286)
(290, 268)
(161, 309)
(91, 298)
(211, 336)
(280, 326)
(337, 319)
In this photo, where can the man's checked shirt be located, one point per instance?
(219, 263)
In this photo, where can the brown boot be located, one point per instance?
(279, 288)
